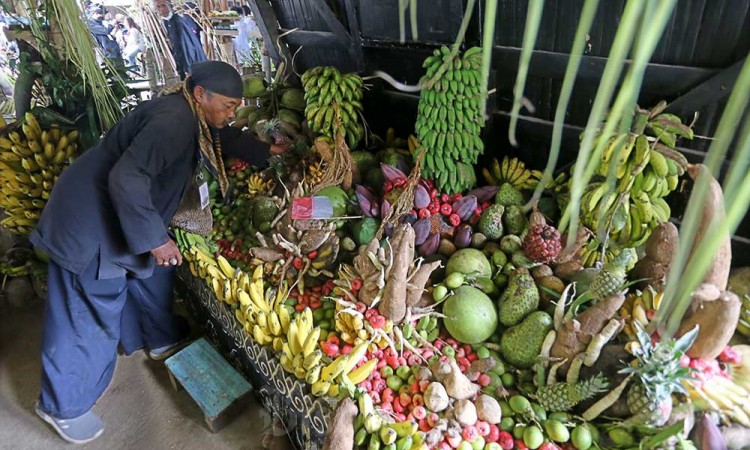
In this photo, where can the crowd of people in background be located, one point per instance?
(122, 39)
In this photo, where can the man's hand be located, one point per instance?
(167, 255)
(278, 149)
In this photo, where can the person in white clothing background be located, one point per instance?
(135, 43)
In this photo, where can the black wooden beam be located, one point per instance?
(317, 39)
(714, 89)
(356, 39)
(666, 79)
(268, 25)
(333, 24)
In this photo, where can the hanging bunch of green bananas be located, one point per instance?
(31, 159)
(449, 119)
(645, 170)
(328, 92)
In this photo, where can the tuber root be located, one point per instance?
(436, 398)
(488, 409)
(458, 385)
(419, 279)
(341, 433)
(465, 412)
(712, 316)
(660, 248)
(393, 304)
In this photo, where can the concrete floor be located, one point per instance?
(140, 409)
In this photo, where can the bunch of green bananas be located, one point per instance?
(329, 94)
(592, 254)
(513, 171)
(645, 171)
(30, 162)
(449, 119)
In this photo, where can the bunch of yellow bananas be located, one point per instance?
(30, 162)
(638, 169)
(727, 396)
(639, 307)
(513, 171)
(314, 174)
(342, 370)
(256, 185)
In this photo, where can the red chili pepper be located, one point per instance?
(298, 263)
(446, 209)
(316, 304)
(424, 213)
(299, 307)
(455, 220)
(313, 254)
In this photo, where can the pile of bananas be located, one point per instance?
(743, 326)
(300, 353)
(314, 174)
(351, 327)
(513, 171)
(713, 390)
(329, 93)
(449, 119)
(371, 430)
(639, 307)
(30, 162)
(257, 185)
(343, 371)
(643, 171)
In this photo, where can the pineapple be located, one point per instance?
(564, 396)
(612, 277)
(658, 375)
(275, 130)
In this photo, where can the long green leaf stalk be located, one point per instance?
(413, 17)
(579, 42)
(402, 5)
(680, 284)
(488, 39)
(612, 71)
(531, 31)
(740, 163)
(80, 50)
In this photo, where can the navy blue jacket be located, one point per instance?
(116, 201)
(184, 42)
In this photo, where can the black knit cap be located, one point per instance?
(218, 77)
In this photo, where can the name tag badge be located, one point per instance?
(203, 190)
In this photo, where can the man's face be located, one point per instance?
(217, 109)
(162, 7)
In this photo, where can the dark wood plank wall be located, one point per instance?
(702, 39)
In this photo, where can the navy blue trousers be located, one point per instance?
(85, 320)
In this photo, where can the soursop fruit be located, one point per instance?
(491, 222)
(520, 298)
(520, 345)
(515, 220)
(507, 195)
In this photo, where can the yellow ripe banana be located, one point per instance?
(62, 144)
(286, 364)
(71, 150)
(358, 352)
(278, 344)
(311, 342)
(260, 337)
(5, 143)
(262, 320)
(274, 324)
(32, 122)
(29, 164)
(16, 138)
(362, 372)
(293, 340)
(22, 150)
(227, 292)
(313, 374)
(40, 160)
(258, 273)
(10, 157)
(44, 138)
(320, 388)
(313, 359)
(284, 318)
(497, 172)
(225, 267)
(73, 136)
(50, 152)
(334, 369)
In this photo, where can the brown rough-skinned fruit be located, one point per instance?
(713, 316)
(663, 242)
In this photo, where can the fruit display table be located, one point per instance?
(304, 416)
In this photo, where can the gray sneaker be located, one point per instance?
(78, 430)
(162, 353)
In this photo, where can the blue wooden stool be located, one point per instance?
(218, 389)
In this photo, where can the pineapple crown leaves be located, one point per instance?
(658, 365)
